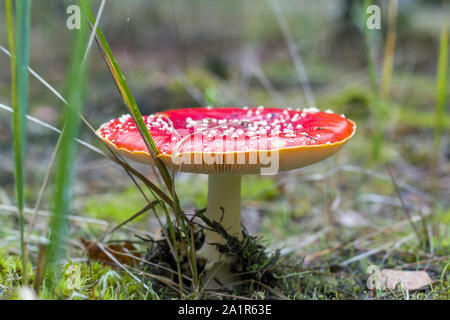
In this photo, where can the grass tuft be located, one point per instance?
(65, 165)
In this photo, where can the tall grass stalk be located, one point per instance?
(389, 50)
(441, 86)
(130, 103)
(295, 54)
(65, 164)
(377, 138)
(19, 43)
(441, 93)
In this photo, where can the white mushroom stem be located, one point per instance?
(224, 206)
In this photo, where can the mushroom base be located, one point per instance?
(224, 207)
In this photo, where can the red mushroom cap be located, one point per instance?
(232, 140)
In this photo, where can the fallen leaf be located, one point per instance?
(394, 279)
(125, 254)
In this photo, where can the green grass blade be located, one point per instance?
(20, 56)
(441, 87)
(128, 99)
(65, 165)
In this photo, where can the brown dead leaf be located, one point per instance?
(124, 253)
(395, 279)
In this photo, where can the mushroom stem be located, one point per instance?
(224, 206)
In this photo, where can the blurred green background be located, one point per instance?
(178, 54)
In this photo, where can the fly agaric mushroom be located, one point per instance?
(226, 143)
